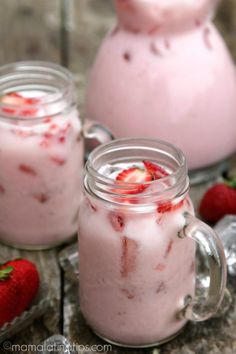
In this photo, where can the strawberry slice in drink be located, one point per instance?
(155, 170)
(117, 221)
(128, 256)
(164, 207)
(27, 169)
(19, 104)
(158, 172)
(2, 189)
(134, 179)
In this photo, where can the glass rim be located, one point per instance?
(97, 184)
(34, 71)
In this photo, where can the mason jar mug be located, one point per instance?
(137, 245)
(41, 155)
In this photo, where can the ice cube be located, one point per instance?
(202, 287)
(69, 261)
(226, 229)
(56, 344)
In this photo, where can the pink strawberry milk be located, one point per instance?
(164, 72)
(137, 234)
(41, 155)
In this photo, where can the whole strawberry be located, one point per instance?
(218, 201)
(19, 283)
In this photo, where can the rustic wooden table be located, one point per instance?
(216, 336)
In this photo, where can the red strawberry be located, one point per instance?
(134, 177)
(128, 256)
(218, 201)
(19, 283)
(155, 170)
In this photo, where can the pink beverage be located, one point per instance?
(137, 270)
(41, 155)
(164, 72)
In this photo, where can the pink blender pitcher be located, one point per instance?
(165, 72)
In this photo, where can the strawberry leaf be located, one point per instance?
(5, 272)
(231, 183)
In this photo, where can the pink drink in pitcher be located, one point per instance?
(164, 72)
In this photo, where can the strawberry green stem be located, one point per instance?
(5, 273)
(231, 182)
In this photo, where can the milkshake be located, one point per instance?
(136, 272)
(164, 72)
(41, 156)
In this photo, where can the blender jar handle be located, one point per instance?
(95, 134)
(210, 242)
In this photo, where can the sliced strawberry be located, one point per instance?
(128, 256)
(161, 287)
(22, 133)
(31, 100)
(16, 99)
(48, 135)
(91, 206)
(58, 160)
(41, 198)
(28, 112)
(127, 56)
(53, 126)
(13, 98)
(2, 189)
(62, 139)
(66, 128)
(8, 110)
(44, 143)
(169, 248)
(155, 170)
(192, 267)
(160, 267)
(128, 293)
(131, 177)
(165, 207)
(47, 120)
(27, 169)
(117, 221)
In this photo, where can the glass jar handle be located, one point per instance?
(95, 134)
(210, 242)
